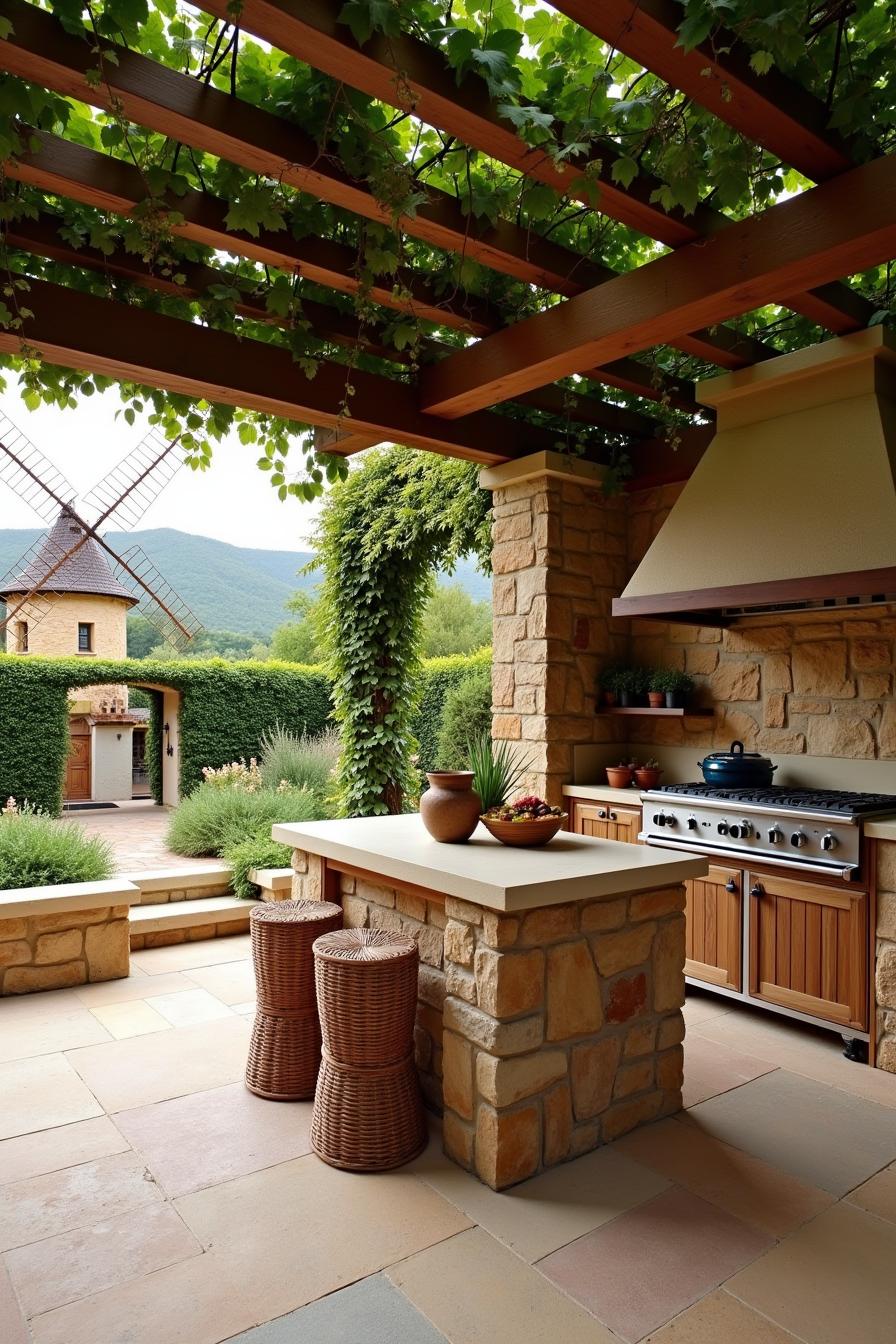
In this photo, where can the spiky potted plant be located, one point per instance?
(497, 772)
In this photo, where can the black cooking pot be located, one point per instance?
(736, 769)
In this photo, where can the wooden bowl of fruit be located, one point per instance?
(525, 823)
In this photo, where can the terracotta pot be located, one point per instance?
(656, 699)
(647, 779)
(619, 776)
(450, 808)
(609, 698)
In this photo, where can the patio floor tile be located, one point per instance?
(700, 1007)
(137, 985)
(832, 1281)
(27, 1031)
(152, 1068)
(372, 1311)
(711, 1068)
(878, 1196)
(799, 1049)
(477, 1292)
(823, 1136)
(72, 1265)
(637, 1272)
(132, 1018)
(213, 1136)
(44, 1206)
(721, 1319)
(188, 956)
(15, 1330)
(761, 1195)
(188, 1007)
(52, 1149)
(233, 982)
(41, 1093)
(543, 1214)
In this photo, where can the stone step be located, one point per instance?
(188, 883)
(186, 921)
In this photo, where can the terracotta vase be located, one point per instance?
(450, 808)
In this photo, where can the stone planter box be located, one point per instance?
(71, 934)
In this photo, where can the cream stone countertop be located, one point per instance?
(485, 872)
(603, 791)
(882, 829)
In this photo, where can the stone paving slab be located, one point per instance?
(372, 1311)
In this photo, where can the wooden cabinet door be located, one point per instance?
(608, 821)
(714, 927)
(809, 948)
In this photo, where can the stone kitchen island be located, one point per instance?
(551, 980)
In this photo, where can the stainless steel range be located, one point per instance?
(811, 830)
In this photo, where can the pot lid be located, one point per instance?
(737, 756)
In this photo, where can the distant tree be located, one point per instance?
(210, 644)
(454, 623)
(142, 636)
(298, 641)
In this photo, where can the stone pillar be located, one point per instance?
(559, 558)
(884, 970)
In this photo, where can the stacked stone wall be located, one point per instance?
(61, 950)
(885, 971)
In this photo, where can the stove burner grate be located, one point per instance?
(792, 800)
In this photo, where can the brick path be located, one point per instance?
(137, 832)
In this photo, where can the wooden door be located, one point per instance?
(607, 821)
(77, 770)
(808, 948)
(714, 927)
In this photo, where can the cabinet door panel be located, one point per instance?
(808, 948)
(713, 927)
(608, 821)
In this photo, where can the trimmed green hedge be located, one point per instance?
(440, 675)
(224, 711)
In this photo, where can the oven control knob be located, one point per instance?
(829, 841)
(734, 831)
(659, 819)
(775, 835)
(798, 839)
(671, 820)
(746, 830)
(692, 823)
(722, 828)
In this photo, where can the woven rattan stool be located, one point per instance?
(368, 1113)
(284, 1053)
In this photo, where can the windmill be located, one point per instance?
(74, 545)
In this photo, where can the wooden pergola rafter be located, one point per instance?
(594, 323)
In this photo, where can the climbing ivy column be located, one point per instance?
(558, 559)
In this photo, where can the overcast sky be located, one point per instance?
(231, 501)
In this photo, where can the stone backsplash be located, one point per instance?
(820, 683)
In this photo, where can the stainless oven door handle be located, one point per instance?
(847, 873)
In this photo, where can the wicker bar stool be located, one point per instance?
(284, 1053)
(368, 1112)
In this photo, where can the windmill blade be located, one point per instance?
(123, 497)
(156, 599)
(31, 574)
(31, 475)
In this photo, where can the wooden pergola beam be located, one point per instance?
(63, 168)
(769, 109)
(186, 109)
(97, 335)
(41, 237)
(179, 106)
(311, 31)
(838, 228)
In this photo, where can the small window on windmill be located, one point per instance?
(85, 637)
(21, 636)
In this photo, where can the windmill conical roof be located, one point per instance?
(87, 571)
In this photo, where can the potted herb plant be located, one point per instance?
(627, 686)
(656, 688)
(647, 776)
(678, 686)
(620, 776)
(608, 684)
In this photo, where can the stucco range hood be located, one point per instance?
(793, 505)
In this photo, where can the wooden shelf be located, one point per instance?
(645, 710)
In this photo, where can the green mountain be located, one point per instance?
(235, 588)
